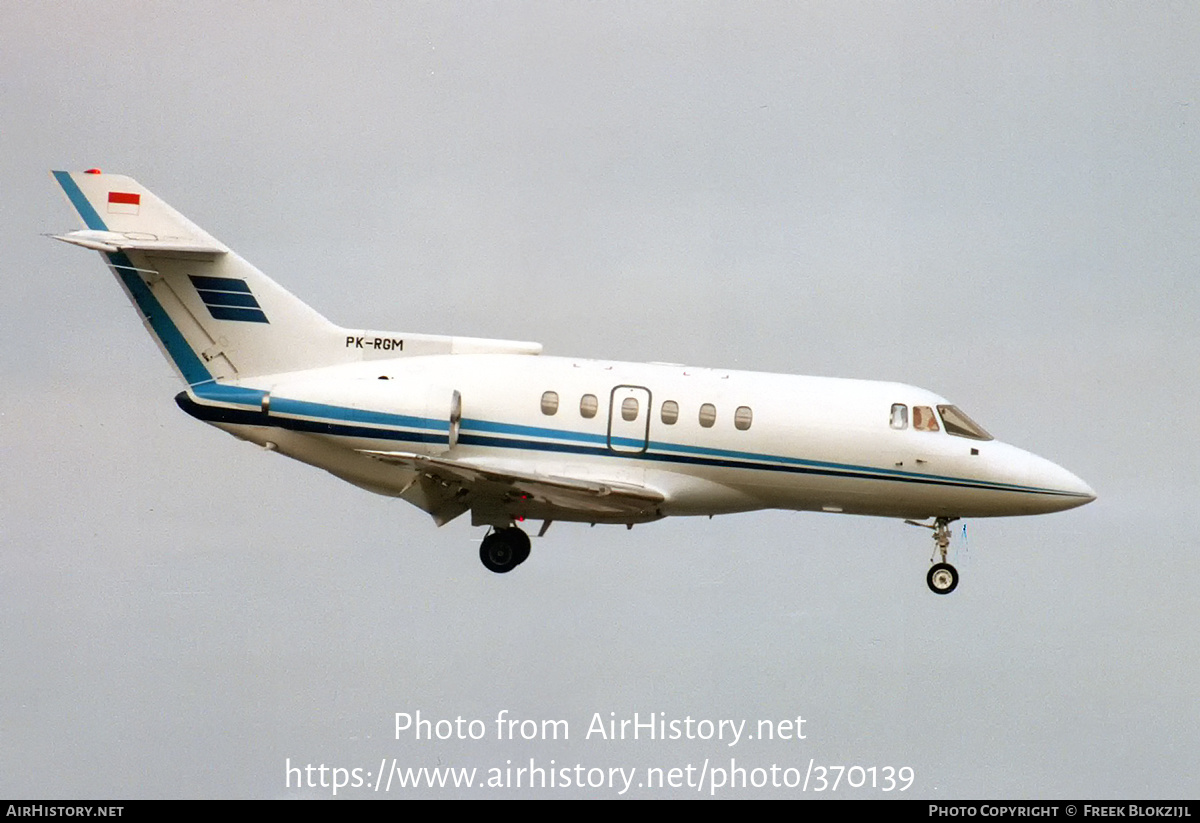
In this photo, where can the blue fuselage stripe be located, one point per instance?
(339, 421)
(337, 414)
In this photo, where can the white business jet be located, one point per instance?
(457, 424)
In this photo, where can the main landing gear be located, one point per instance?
(942, 577)
(504, 549)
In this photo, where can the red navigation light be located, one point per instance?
(93, 171)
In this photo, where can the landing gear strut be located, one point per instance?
(504, 549)
(942, 577)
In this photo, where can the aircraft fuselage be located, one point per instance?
(802, 443)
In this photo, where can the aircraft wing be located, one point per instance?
(450, 487)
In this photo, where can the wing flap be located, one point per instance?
(492, 489)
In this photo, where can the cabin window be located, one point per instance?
(588, 405)
(708, 415)
(742, 418)
(629, 408)
(670, 412)
(960, 425)
(899, 416)
(924, 419)
(549, 402)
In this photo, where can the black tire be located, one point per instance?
(520, 544)
(942, 578)
(503, 550)
(497, 554)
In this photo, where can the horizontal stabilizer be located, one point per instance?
(111, 241)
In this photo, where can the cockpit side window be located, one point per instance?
(899, 416)
(960, 425)
(924, 420)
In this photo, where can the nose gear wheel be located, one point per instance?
(942, 577)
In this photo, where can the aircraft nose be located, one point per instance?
(1068, 490)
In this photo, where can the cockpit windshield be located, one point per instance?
(960, 425)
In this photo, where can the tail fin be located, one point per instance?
(213, 314)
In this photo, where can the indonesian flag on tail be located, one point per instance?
(123, 202)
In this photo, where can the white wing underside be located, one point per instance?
(447, 488)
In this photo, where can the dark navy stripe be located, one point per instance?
(812, 468)
(733, 458)
(849, 473)
(219, 283)
(281, 407)
(226, 313)
(538, 431)
(227, 298)
(284, 405)
(221, 393)
(220, 414)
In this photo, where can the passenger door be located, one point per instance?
(629, 419)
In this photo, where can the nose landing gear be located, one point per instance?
(942, 577)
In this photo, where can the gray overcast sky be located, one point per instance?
(994, 201)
